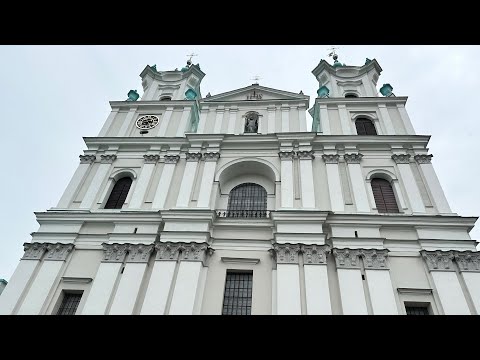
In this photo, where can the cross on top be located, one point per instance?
(256, 78)
(332, 49)
(191, 55)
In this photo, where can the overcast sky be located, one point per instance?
(51, 96)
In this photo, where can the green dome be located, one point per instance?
(185, 68)
(337, 64)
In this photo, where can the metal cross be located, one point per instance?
(256, 78)
(192, 55)
(332, 53)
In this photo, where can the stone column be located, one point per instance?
(449, 290)
(285, 118)
(143, 180)
(164, 121)
(232, 120)
(406, 119)
(288, 279)
(131, 279)
(357, 181)
(286, 178)
(334, 182)
(47, 275)
(218, 120)
(426, 167)
(192, 259)
(379, 282)
(188, 179)
(413, 193)
(203, 120)
(206, 185)
(127, 122)
(97, 181)
(469, 265)
(387, 121)
(344, 120)
(165, 180)
(306, 179)
(324, 120)
(108, 123)
(77, 179)
(105, 279)
(302, 113)
(20, 279)
(350, 281)
(182, 126)
(317, 292)
(271, 119)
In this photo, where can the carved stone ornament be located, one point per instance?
(114, 252)
(108, 159)
(286, 253)
(439, 260)
(193, 156)
(194, 251)
(167, 251)
(171, 159)
(315, 254)
(375, 259)
(33, 251)
(139, 253)
(58, 251)
(305, 155)
(151, 159)
(286, 155)
(347, 258)
(331, 159)
(211, 156)
(87, 159)
(353, 158)
(401, 158)
(468, 260)
(147, 122)
(423, 159)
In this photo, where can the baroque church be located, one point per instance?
(228, 204)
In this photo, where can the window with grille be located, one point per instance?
(384, 196)
(69, 304)
(119, 193)
(237, 299)
(416, 310)
(247, 200)
(365, 127)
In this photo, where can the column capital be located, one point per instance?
(108, 159)
(139, 253)
(347, 258)
(33, 251)
(330, 158)
(211, 156)
(315, 254)
(468, 260)
(375, 259)
(87, 159)
(286, 155)
(193, 156)
(353, 158)
(58, 251)
(171, 159)
(401, 158)
(151, 159)
(305, 155)
(286, 253)
(114, 252)
(423, 159)
(438, 260)
(167, 251)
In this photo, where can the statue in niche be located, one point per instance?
(251, 122)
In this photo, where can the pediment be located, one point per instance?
(255, 93)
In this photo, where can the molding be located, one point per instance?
(468, 261)
(315, 254)
(76, 280)
(139, 253)
(114, 252)
(375, 259)
(232, 260)
(353, 158)
(171, 159)
(286, 155)
(331, 159)
(87, 159)
(58, 251)
(423, 159)
(305, 155)
(33, 251)
(415, 291)
(167, 251)
(151, 159)
(347, 258)
(401, 158)
(286, 253)
(195, 251)
(193, 156)
(108, 159)
(211, 156)
(438, 260)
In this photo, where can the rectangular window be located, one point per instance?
(69, 303)
(416, 310)
(237, 299)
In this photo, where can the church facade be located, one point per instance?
(228, 204)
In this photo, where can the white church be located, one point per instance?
(228, 205)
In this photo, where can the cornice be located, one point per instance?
(374, 100)
(151, 103)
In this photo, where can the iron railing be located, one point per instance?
(244, 214)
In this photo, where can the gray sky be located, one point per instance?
(51, 96)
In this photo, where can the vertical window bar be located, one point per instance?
(237, 298)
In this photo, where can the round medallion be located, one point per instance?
(147, 122)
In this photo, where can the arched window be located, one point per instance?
(119, 193)
(365, 127)
(247, 200)
(165, 98)
(351, 95)
(384, 196)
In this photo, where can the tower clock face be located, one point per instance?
(147, 122)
